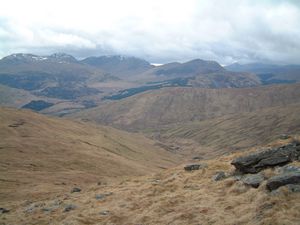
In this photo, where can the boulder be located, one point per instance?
(197, 158)
(283, 179)
(75, 189)
(220, 175)
(103, 196)
(4, 210)
(104, 213)
(253, 180)
(194, 167)
(294, 187)
(288, 168)
(70, 207)
(284, 136)
(255, 162)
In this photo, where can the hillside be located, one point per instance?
(173, 196)
(233, 132)
(42, 155)
(155, 109)
(14, 97)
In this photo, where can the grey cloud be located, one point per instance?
(244, 31)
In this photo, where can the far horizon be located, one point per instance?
(152, 63)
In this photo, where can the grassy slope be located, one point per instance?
(41, 151)
(172, 197)
(155, 109)
(14, 97)
(235, 131)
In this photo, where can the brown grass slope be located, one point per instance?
(155, 109)
(13, 97)
(234, 131)
(36, 151)
(173, 197)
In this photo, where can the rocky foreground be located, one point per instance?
(260, 187)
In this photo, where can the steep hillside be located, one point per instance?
(174, 196)
(14, 97)
(156, 109)
(233, 132)
(38, 151)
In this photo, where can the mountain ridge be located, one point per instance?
(157, 108)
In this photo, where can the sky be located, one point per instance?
(159, 31)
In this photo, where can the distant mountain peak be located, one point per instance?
(26, 58)
(63, 57)
(23, 58)
(188, 69)
(119, 65)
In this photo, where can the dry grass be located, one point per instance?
(42, 158)
(41, 155)
(234, 132)
(170, 197)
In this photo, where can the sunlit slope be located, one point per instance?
(155, 109)
(235, 131)
(35, 149)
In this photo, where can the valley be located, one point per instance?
(150, 112)
(89, 82)
(107, 140)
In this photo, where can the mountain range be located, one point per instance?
(116, 140)
(75, 84)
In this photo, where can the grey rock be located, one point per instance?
(258, 161)
(195, 167)
(47, 209)
(253, 180)
(288, 168)
(75, 189)
(105, 212)
(197, 158)
(284, 136)
(220, 175)
(4, 210)
(70, 207)
(294, 187)
(100, 196)
(103, 196)
(33, 207)
(283, 179)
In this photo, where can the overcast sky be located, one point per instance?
(158, 30)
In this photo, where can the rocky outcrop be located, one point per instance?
(220, 175)
(283, 179)
(76, 189)
(4, 210)
(70, 207)
(253, 180)
(194, 167)
(253, 163)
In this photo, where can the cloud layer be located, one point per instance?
(157, 30)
